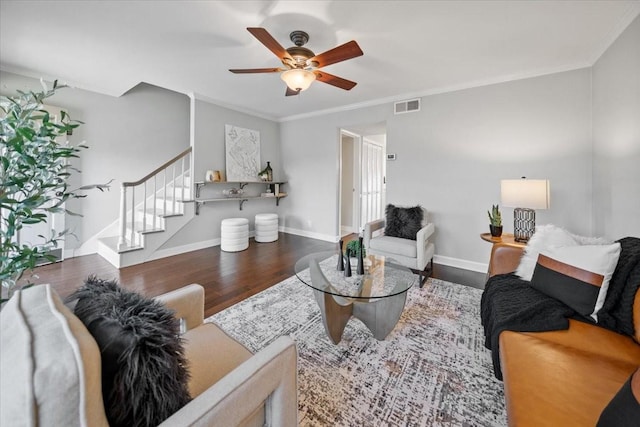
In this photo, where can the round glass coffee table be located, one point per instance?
(377, 298)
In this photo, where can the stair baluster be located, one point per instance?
(126, 196)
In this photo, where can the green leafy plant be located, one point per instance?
(35, 170)
(495, 218)
(353, 248)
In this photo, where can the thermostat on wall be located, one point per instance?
(391, 156)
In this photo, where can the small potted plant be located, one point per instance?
(353, 249)
(495, 221)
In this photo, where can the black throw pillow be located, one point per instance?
(403, 222)
(144, 370)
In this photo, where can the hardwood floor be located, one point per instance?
(226, 277)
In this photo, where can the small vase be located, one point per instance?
(347, 265)
(340, 257)
(360, 269)
(269, 172)
(496, 230)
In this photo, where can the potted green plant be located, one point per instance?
(495, 221)
(35, 170)
(353, 249)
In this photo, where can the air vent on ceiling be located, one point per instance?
(407, 106)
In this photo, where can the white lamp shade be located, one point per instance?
(298, 79)
(525, 193)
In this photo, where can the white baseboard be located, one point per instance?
(347, 229)
(177, 250)
(461, 263)
(310, 234)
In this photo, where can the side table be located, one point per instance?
(505, 240)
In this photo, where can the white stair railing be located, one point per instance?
(177, 167)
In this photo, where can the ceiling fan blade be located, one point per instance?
(291, 92)
(341, 53)
(334, 80)
(272, 44)
(256, 70)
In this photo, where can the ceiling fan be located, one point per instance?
(302, 66)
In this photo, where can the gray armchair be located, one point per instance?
(415, 254)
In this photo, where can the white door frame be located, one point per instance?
(357, 142)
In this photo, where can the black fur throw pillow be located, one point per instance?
(403, 222)
(144, 370)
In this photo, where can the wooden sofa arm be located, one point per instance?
(504, 258)
(269, 377)
(187, 302)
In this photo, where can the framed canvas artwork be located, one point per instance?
(242, 153)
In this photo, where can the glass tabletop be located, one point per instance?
(383, 277)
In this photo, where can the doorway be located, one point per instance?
(362, 183)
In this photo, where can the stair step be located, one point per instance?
(139, 228)
(112, 243)
(160, 212)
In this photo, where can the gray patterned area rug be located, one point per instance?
(432, 369)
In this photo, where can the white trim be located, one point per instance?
(310, 234)
(612, 36)
(70, 253)
(461, 263)
(437, 91)
(346, 229)
(204, 98)
(177, 250)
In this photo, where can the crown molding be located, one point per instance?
(440, 90)
(204, 98)
(612, 36)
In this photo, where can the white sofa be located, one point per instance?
(51, 370)
(415, 254)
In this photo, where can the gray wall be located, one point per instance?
(209, 153)
(453, 153)
(616, 136)
(127, 137)
(310, 158)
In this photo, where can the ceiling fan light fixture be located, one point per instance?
(298, 79)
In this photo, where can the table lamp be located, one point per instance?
(525, 195)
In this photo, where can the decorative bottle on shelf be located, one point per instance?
(340, 257)
(360, 269)
(269, 172)
(347, 265)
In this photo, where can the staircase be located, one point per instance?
(152, 210)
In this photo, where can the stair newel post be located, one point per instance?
(144, 206)
(173, 203)
(123, 220)
(133, 215)
(155, 199)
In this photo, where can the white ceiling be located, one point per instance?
(411, 48)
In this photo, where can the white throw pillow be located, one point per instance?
(579, 275)
(545, 237)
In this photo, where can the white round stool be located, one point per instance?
(234, 234)
(266, 227)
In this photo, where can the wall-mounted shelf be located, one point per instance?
(278, 194)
